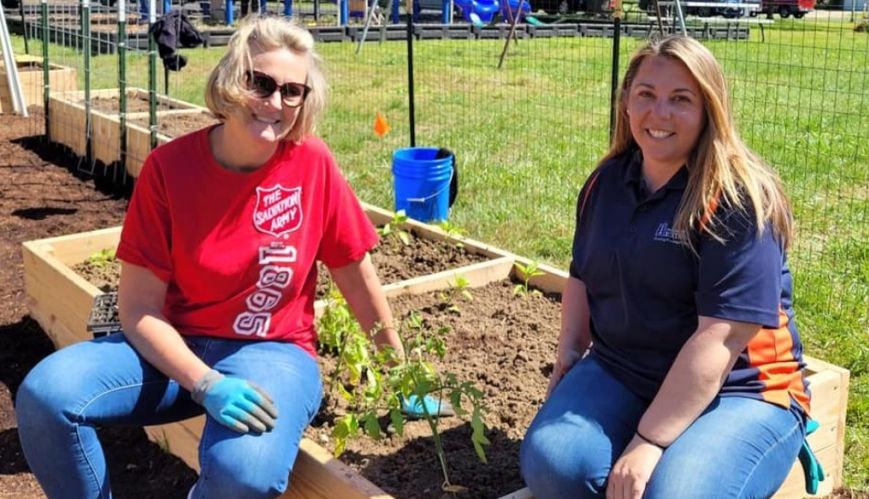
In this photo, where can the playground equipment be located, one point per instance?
(478, 12)
(511, 8)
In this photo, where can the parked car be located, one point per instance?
(786, 8)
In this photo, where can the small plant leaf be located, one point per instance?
(371, 425)
(404, 237)
(397, 420)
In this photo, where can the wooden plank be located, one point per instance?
(105, 136)
(478, 274)
(180, 439)
(67, 123)
(75, 248)
(795, 483)
(61, 79)
(826, 391)
(57, 299)
(379, 216)
(318, 475)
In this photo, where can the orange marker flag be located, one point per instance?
(381, 126)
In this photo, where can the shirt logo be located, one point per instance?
(278, 210)
(665, 234)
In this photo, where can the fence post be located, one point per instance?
(122, 80)
(152, 73)
(46, 72)
(614, 80)
(411, 108)
(23, 26)
(86, 48)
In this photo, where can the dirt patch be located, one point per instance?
(505, 344)
(136, 103)
(40, 197)
(177, 125)
(103, 274)
(396, 261)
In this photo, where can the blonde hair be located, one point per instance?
(227, 88)
(721, 168)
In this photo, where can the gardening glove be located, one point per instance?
(812, 469)
(412, 407)
(235, 403)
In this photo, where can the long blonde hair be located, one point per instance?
(721, 168)
(227, 85)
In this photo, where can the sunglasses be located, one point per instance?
(264, 86)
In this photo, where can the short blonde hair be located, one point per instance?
(227, 88)
(721, 168)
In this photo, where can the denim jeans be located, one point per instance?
(738, 448)
(105, 382)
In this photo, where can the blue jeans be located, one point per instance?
(105, 382)
(738, 448)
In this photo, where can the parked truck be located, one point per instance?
(785, 8)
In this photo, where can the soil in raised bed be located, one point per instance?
(393, 260)
(104, 275)
(136, 103)
(505, 344)
(396, 261)
(176, 125)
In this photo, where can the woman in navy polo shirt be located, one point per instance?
(679, 371)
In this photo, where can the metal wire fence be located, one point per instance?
(526, 134)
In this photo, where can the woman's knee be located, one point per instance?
(244, 466)
(239, 477)
(555, 465)
(47, 392)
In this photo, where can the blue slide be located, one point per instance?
(478, 12)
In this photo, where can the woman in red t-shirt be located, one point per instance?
(216, 298)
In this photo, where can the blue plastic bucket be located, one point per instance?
(422, 183)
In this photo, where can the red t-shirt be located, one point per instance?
(238, 250)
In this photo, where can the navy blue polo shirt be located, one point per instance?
(646, 289)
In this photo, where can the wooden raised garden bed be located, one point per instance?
(169, 126)
(61, 79)
(60, 300)
(67, 122)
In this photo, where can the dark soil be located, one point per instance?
(41, 197)
(179, 124)
(104, 275)
(394, 261)
(136, 103)
(503, 344)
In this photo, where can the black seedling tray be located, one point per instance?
(103, 318)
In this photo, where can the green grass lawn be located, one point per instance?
(526, 136)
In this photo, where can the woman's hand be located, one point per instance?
(633, 470)
(563, 362)
(235, 403)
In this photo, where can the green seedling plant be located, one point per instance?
(393, 228)
(418, 376)
(374, 381)
(102, 258)
(456, 290)
(453, 230)
(528, 272)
